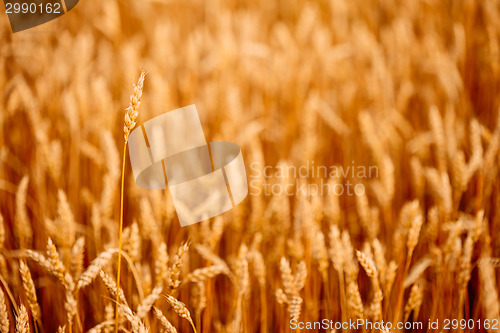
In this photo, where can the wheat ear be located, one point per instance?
(177, 263)
(147, 303)
(135, 321)
(22, 321)
(131, 114)
(95, 267)
(414, 302)
(164, 321)
(4, 316)
(29, 288)
(181, 310)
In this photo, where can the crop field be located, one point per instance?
(370, 133)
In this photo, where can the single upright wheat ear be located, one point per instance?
(131, 114)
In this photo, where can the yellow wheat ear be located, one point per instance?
(131, 114)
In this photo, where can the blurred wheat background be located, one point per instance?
(411, 87)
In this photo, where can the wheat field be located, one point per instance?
(410, 89)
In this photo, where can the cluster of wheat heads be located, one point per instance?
(409, 87)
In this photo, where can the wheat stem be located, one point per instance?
(120, 238)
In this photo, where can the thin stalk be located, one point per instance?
(192, 325)
(120, 239)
